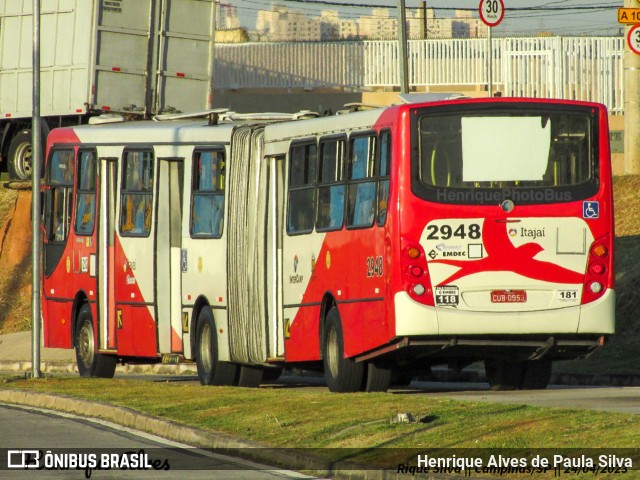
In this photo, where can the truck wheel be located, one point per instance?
(211, 371)
(90, 363)
(342, 374)
(19, 160)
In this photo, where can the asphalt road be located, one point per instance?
(67, 435)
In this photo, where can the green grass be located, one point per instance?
(303, 418)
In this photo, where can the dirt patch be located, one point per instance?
(15, 261)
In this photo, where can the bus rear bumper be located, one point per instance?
(413, 319)
(430, 334)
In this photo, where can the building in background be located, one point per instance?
(227, 17)
(282, 24)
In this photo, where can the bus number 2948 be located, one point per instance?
(445, 232)
(374, 267)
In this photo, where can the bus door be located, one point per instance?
(106, 237)
(57, 251)
(247, 248)
(168, 245)
(135, 264)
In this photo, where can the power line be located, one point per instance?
(336, 3)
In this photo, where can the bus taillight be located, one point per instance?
(596, 277)
(416, 275)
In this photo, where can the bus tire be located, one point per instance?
(271, 374)
(20, 156)
(250, 376)
(378, 378)
(342, 374)
(401, 379)
(536, 375)
(211, 371)
(503, 374)
(90, 362)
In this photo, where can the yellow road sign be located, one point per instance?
(629, 15)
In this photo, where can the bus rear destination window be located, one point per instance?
(480, 157)
(485, 160)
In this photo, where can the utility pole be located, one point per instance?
(212, 55)
(631, 104)
(424, 20)
(402, 48)
(36, 156)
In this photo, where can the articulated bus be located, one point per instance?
(370, 245)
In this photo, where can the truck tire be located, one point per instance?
(19, 159)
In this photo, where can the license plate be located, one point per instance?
(508, 296)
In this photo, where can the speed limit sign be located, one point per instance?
(633, 39)
(491, 12)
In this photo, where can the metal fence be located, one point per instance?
(574, 68)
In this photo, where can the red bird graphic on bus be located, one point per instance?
(502, 255)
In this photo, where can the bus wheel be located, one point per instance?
(20, 156)
(250, 376)
(342, 374)
(401, 379)
(378, 378)
(90, 363)
(537, 374)
(271, 374)
(211, 371)
(503, 374)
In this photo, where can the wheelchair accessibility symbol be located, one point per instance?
(590, 209)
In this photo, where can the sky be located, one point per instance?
(565, 17)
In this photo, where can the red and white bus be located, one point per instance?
(371, 245)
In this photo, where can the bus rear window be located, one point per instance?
(470, 156)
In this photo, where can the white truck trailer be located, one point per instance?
(131, 57)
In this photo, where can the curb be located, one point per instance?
(222, 443)
(71, 367)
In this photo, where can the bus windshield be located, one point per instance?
(469, 155)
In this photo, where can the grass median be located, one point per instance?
(303, 418)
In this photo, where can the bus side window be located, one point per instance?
(383, 169)
(86, 193)
(331, 190)
(302, 188)
(361, 197)
(60, 180)
(137, 192)
(207, 192)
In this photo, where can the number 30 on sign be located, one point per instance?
(491, 12)
(633, 39)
